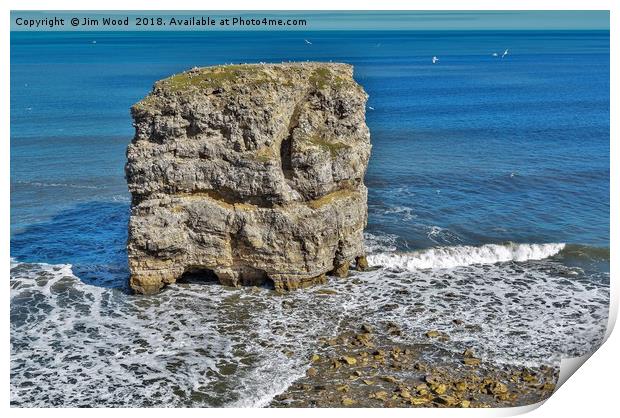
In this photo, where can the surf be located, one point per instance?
(464, 255)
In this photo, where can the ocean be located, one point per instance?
(488, 204)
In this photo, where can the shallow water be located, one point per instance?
(204, 344)
(488, 204)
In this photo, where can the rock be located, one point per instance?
(471, 361)
(418, 401)
(468, 353)
(364, 339)
(349, 360)
(342, 388)
(460, 386)
(464, 403)
(440, 389)
(389, 379)
(248, 175)
(315, 358)
(326, 292)
(382, 395)
(419, 366)
(367, 381)
(446, 400)
(431, 379)
(405, 394)
(497, 388)
(422, 388)
(312, 372)
(361, 263)
(331, 342)
(367, 329)
(348, 401)
(393, 328)
(341, 270)
(432, 334)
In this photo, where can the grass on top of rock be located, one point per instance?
(322, 77)
(149, 102)
(213, 77)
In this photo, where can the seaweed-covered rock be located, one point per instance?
(249, 173)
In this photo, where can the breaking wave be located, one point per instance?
(465, 255)
(78, 344)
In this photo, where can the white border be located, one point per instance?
(592, 391)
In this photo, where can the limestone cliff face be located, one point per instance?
(251, 172)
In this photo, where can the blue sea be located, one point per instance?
(488, 203)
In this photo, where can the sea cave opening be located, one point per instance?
(199, 275)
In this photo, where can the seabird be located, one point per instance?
(308, 42)
(435, 60)
(505, 53)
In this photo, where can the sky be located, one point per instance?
(348, 20)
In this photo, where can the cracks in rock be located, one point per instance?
(286, 146)
(245, 273)
(228, 197)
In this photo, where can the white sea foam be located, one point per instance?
(379, 243)
(78, 345)
(405, 212)
(464, 255)
(441, 235)
(69, 185)
(74, 344)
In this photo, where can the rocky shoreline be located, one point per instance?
(367, 368)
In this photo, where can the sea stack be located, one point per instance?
(250, 175)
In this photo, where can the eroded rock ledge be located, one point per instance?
(250, 173)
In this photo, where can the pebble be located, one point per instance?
(349, 360)
(469, 353)
(348, 401)
(405, 394)
(445, 400)
(383, 395)
(440, 389)
(389, 379)
(471, 361)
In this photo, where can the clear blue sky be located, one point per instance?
(378, 20)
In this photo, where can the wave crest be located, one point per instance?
(465, 255)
